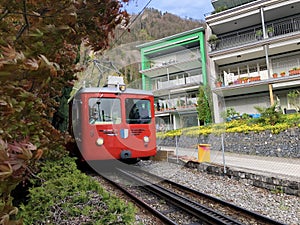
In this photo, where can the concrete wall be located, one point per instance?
(243, 104)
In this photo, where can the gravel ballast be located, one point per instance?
(278, 206)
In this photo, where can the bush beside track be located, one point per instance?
(64, 195)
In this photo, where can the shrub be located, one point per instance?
(269, 116)
(64, 194)
(239, 126)
(23, 114)
(293, 97)
(16, 162)
(230, 114)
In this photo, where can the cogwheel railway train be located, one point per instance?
(114, 122)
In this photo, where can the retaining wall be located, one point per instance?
(284, 144)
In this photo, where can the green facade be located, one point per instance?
(178, 40)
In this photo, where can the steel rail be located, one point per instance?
(218, 200)
(200, 211)
(140, 202)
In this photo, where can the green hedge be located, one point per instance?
(62, 193)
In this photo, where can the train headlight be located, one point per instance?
(100, 141)
(122, 87)
(146, 139)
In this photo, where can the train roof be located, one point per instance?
(113, 90)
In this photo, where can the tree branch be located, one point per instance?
(5, 14)
(26, 25)
(25, 13)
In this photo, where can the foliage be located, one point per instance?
(218, 79)
(23, 115)
(154, 24)
(245, 116)
(213, 38)
(230, 114)
(238, 126)
(15, 159)
(64, 193)
(220, 9)
(39, 41)
(270, 29)
(270, 115)
(294, 98)
(203, 105)
(258, 33)
(39, 55)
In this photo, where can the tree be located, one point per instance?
(40, 40)
(39, 55)
(203, 107)
(294, 98)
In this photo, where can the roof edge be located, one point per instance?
(195, 30)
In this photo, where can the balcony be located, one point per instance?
(256, 84)
(178, 82)
(229, 4)
(182, 55)
(262, 76)
(183, 60)
(254, 34)
(183, 108)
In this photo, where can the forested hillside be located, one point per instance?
(151, 25)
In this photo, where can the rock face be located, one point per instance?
(284, 144)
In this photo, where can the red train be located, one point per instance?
(113, 122)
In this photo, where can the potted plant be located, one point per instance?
(259, 34)
(270, 31)
(294, 71)
(213, 41)
(218, 81)
(245, 80)
(275, 75)
(238, 81)
(282, 73)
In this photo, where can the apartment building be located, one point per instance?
(253, 54)
(173, 68)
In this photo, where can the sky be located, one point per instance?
(194, 9)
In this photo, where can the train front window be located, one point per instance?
(138, 111)
(104, 111)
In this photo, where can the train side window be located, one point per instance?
(104, 111)
(138, 111)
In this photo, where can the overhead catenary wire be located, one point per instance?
(129, 25)
(97, 63)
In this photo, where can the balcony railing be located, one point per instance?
(255, 78)
(276, 28)
(196, 79)
(177, 57)
(177, 108)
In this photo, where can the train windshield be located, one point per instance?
(138, 111)
(104, 111)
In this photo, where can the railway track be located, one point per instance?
(176, 204)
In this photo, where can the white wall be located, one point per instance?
(246, 104)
